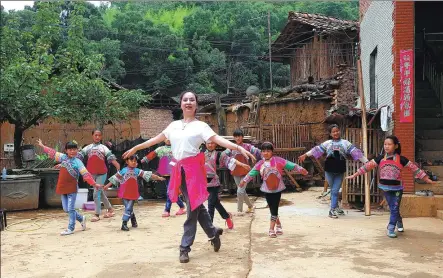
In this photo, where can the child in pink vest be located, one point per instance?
(128, 191)
(271, 168)
(390, 165)
(164, 153)
(213, 159)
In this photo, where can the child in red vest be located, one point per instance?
(271, 168)
(67, 185)
(390, 165)
(97, 155)
(128, 191)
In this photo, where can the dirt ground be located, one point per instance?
(313, 245)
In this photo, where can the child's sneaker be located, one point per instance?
(250, 210)
(400, 227)
(125, 226)
(333, 213)
(278, 230)
(229, 222)
(165, 214)
(339, 211)
(272, 234)
(66, 232)
(134, 221)
(84, 223)
(181, 211)
(391, 234)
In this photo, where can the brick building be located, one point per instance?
(402, 58)
(157, 115)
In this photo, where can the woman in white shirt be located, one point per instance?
(188, 172)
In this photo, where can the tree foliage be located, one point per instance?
(49, 69)
(53, 66)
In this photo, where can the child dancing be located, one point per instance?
(70, 170)
(271, 169)
(239, 172)
(128, 191)
(390, 165)
(97, 155)
(164, 153)
(213, 159)
(337, 151)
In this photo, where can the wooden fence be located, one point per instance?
(281, 135)
(354, 190)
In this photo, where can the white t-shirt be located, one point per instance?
(186, 139)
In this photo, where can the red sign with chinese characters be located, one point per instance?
(406, 86)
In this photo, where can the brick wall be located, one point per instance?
(55, 134)
(363, 7)
(403, 34)
(153, 121)
(376, 30)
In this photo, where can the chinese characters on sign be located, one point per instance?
(406, 86)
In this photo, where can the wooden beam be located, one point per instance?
(364, 129)
(292, 179)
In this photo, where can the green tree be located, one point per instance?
(46, 71)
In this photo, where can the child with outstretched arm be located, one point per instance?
(390, 165)
(128, 190)
(271, 168)
(67, 185)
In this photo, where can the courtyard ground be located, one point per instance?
(313, 245)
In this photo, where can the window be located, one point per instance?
(372, 80)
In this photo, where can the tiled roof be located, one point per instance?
(322, 22)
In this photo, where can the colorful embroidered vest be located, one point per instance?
(66, 183)
(272, 177)
(211, 168)
(129, 186)
(390, 169)
(240, 171)
(96, 162)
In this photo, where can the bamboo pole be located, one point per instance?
(364, 137)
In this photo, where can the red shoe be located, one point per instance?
(181, 211)
(229, 222)
(165, 214)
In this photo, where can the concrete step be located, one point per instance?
(437, 170)
(429, 102)
(422, 85)
(428, 112)
(429, 123)
(430, 144)
(436, 188)
(424, 93)
(423, 133)
(430, 155)
(420, 206)
(440, 214)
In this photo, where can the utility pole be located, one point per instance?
(270, 55)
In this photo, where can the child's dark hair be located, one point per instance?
(97, 129)
(330, 128)
(267, 146)
(396, 142)
(132, 157)
(238, 132)
(71, 145)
